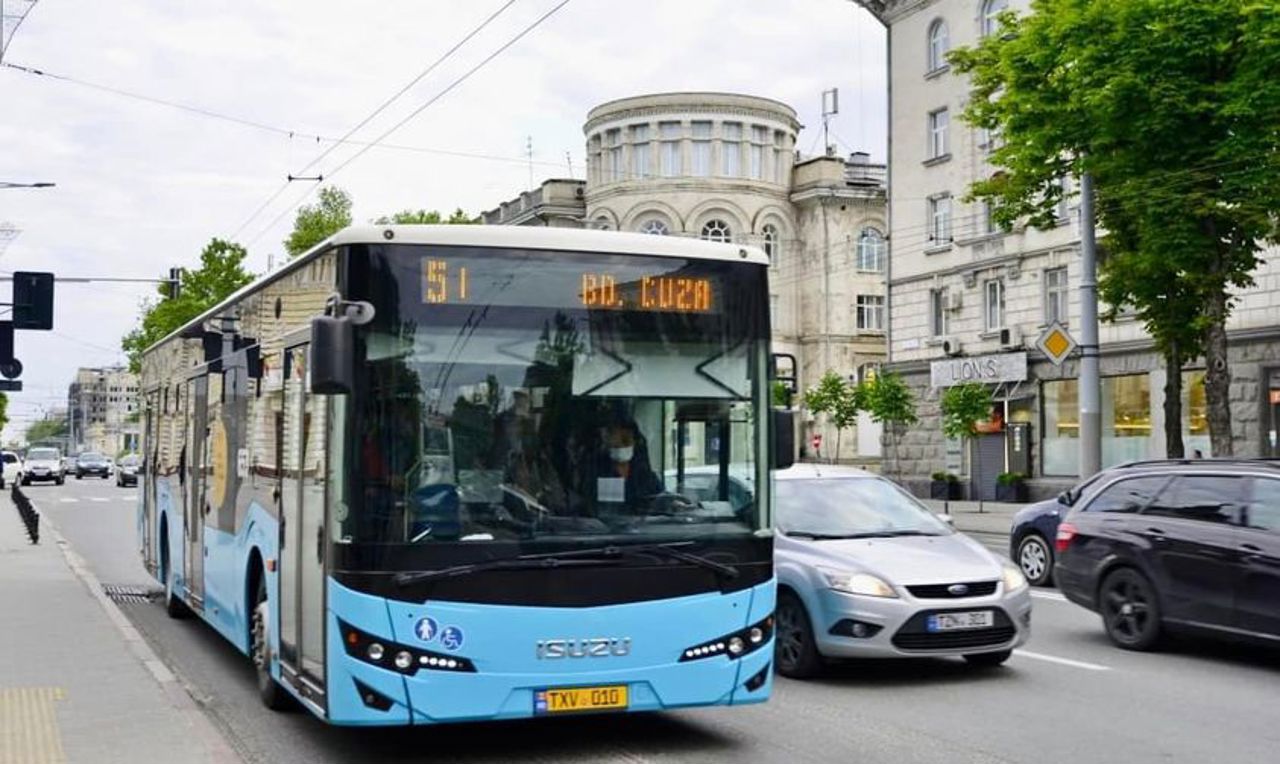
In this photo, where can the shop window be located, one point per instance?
(1195, 414)
(1126, 423)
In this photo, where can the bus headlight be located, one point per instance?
(732, 646)
(407, 660)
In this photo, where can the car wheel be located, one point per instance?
(1130, 611)
(988, 660)
(60, 481)
(272, 694)
(1035, 558)
(79, 476)
(795, 651)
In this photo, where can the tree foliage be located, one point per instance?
(427, 217)
(889, 401)
(221, 272)
(1171, 106)
(47, 429)
(963, 406)
(838, 400)
(316, 222)
(4, 410)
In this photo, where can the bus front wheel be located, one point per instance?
(272, 694)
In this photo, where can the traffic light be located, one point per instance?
(32, 300)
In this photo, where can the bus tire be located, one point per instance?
(173, 605)
(273, 696)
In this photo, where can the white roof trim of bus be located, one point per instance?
(515, 237)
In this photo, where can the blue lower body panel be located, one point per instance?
(636, 645)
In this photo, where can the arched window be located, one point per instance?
(991, 10)
(871, 250)
(655, 227)
(939, 44)
(772, 243)
(717, 230)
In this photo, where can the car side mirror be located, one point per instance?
(1064, 498)
(948, 519)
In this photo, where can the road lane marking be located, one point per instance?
(1056, 597)
(102, 499)
(68, 500)
(1061, 661)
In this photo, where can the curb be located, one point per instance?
(218, 750)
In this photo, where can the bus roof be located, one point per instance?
(512, 237)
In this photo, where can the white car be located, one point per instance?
(867, 571)
(11, 474)
(43, 464)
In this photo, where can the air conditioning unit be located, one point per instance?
(950, 346)
(1010, 339)
(954, 300)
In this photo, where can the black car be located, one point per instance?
(92, 464)
(1180, 545)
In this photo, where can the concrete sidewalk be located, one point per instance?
(77, 681)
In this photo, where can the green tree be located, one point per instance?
(838, 400)
(427, 217)
(1171, 106)
(221, 272)
(963, 406)
(891, 404)
(4, 410)
(317, 222)
(47, 429)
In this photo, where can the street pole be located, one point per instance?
(1090, 381)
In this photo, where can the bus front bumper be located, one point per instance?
(472, 662)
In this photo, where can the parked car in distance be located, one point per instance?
(127, 470)
(1186, 545)
(865, 570)
(68, 464)
(43, 463)
(91, 463)
(11, 473)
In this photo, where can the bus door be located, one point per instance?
(196, 414)
(147, 482)
(302, 539)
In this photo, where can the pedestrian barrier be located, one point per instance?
(30, 517)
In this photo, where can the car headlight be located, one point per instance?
(863, 584)
(1013, 579)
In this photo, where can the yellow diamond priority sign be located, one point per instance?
(1056, 343)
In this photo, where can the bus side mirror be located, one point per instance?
(784, 439)
(333, 342)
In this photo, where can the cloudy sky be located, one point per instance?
(141, 186)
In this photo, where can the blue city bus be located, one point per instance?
(426, 474)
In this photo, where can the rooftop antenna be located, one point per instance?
(830, 108)
(528, 152)
(568, 158)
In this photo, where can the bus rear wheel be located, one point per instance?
(272, 694)
(173, 605)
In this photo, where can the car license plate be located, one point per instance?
(569, 699)
(974, 619)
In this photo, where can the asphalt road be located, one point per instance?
(1068, 697)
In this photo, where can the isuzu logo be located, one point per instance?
(958, 590)
(600, 647)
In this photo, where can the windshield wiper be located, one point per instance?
(605, 555)
(822, 536)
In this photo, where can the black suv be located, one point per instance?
(1192, 544)
(92, 464)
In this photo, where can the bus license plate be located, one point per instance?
(570, 699)
(976, 619)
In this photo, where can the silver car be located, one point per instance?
(866, 571)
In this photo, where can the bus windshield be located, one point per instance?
(513, 396)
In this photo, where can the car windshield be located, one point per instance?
(852, 508)
(45, 454)
(129, 461)
(92, 457)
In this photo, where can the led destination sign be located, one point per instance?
(468, 281)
